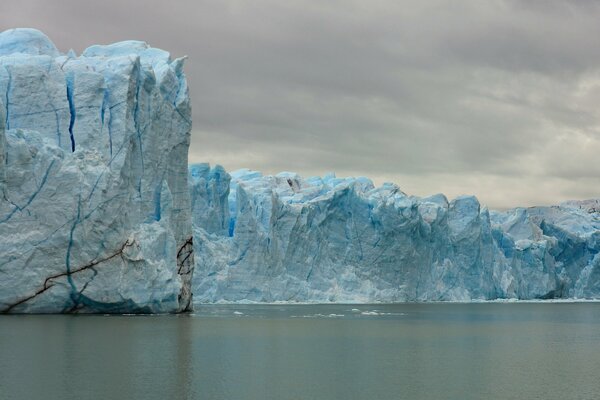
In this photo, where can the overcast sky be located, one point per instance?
(499, 99)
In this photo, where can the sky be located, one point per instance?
(494, 98)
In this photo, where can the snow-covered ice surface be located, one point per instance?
(325, 239)
(95, 210)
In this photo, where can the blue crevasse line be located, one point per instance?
(231, 226)
(157, 199)
(102, 109)
(102, 117)
(113, 157)
(157, 192)
(32, 197)
(183, 116)
(110, 140)
(78, 299)
(241, 256)
(100, 205)
(95, 185)
(136, 123)
(69, 248)
(56, 116)
(71, 109)
(7, 95)
(80, 295)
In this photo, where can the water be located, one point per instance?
(407, 351)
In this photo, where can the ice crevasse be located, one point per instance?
(95, 208)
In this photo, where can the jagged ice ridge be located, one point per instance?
(284, 238)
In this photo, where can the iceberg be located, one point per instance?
(284, 238)
(95, 210)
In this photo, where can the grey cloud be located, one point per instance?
(494, 98)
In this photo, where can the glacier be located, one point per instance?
(95, 213)
(284, 238)
(101, 213)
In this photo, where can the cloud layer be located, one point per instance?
(499, 99)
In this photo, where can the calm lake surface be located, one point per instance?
(405, 351)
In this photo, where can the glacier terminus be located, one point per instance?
(283, 238)
(101, 213)
(94, 211)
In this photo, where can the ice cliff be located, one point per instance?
(97, 207)
(284, 238)
(94, 203)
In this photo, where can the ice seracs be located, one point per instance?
(95, 213)
(284, 238)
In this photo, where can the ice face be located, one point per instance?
(209, 187)
(550, 252)
(95, 211)
(335, 239)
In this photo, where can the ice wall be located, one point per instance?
(343, 240)
(95, 208)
